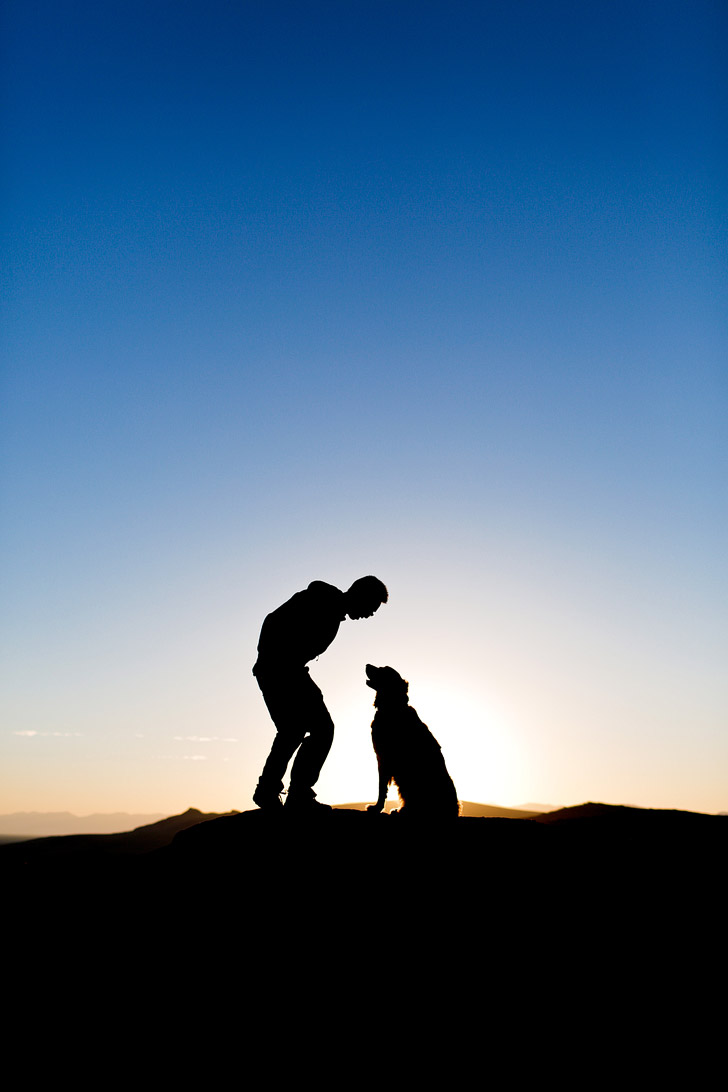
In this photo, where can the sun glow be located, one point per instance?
(481, 750)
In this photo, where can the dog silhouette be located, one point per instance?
(407, 752)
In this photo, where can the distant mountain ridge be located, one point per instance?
(467, 809)
(538, 807)
(140, 840)
(217, 840)
(21, 825)
(41, 824)
(615, 814)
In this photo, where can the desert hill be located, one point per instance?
(262, 904)
(490, 839)
(614, 816)
(26, 825)
(146, 837)
(143, 839)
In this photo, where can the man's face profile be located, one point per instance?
(361, 607)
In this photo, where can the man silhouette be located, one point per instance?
(291, 636)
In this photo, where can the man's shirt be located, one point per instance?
(303, 627)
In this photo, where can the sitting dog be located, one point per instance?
(407, 752)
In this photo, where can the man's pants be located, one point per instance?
(297, 709)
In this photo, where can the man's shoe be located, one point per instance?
(267, 799)
(305, 802)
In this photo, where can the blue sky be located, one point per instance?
(302, 291)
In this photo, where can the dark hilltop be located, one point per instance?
(581, 904)
(533, 854)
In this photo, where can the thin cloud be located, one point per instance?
(207, 739)
(28, 732)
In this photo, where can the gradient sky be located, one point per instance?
(308, 290)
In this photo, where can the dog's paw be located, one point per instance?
(374, 808)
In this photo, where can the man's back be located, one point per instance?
(303, 627)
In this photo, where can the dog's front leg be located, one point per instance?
(384, 780)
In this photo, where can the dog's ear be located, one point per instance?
(398, 681)
(398, 684)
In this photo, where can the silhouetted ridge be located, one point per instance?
(141, 840)
(622, 814)
(179, 822)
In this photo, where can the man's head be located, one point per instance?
(364, 597)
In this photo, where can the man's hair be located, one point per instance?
(370, 588)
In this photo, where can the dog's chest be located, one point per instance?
(395, 729)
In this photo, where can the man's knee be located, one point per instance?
(319, 720)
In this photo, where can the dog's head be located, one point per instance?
(388, 683)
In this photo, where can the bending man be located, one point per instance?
(291, 636)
